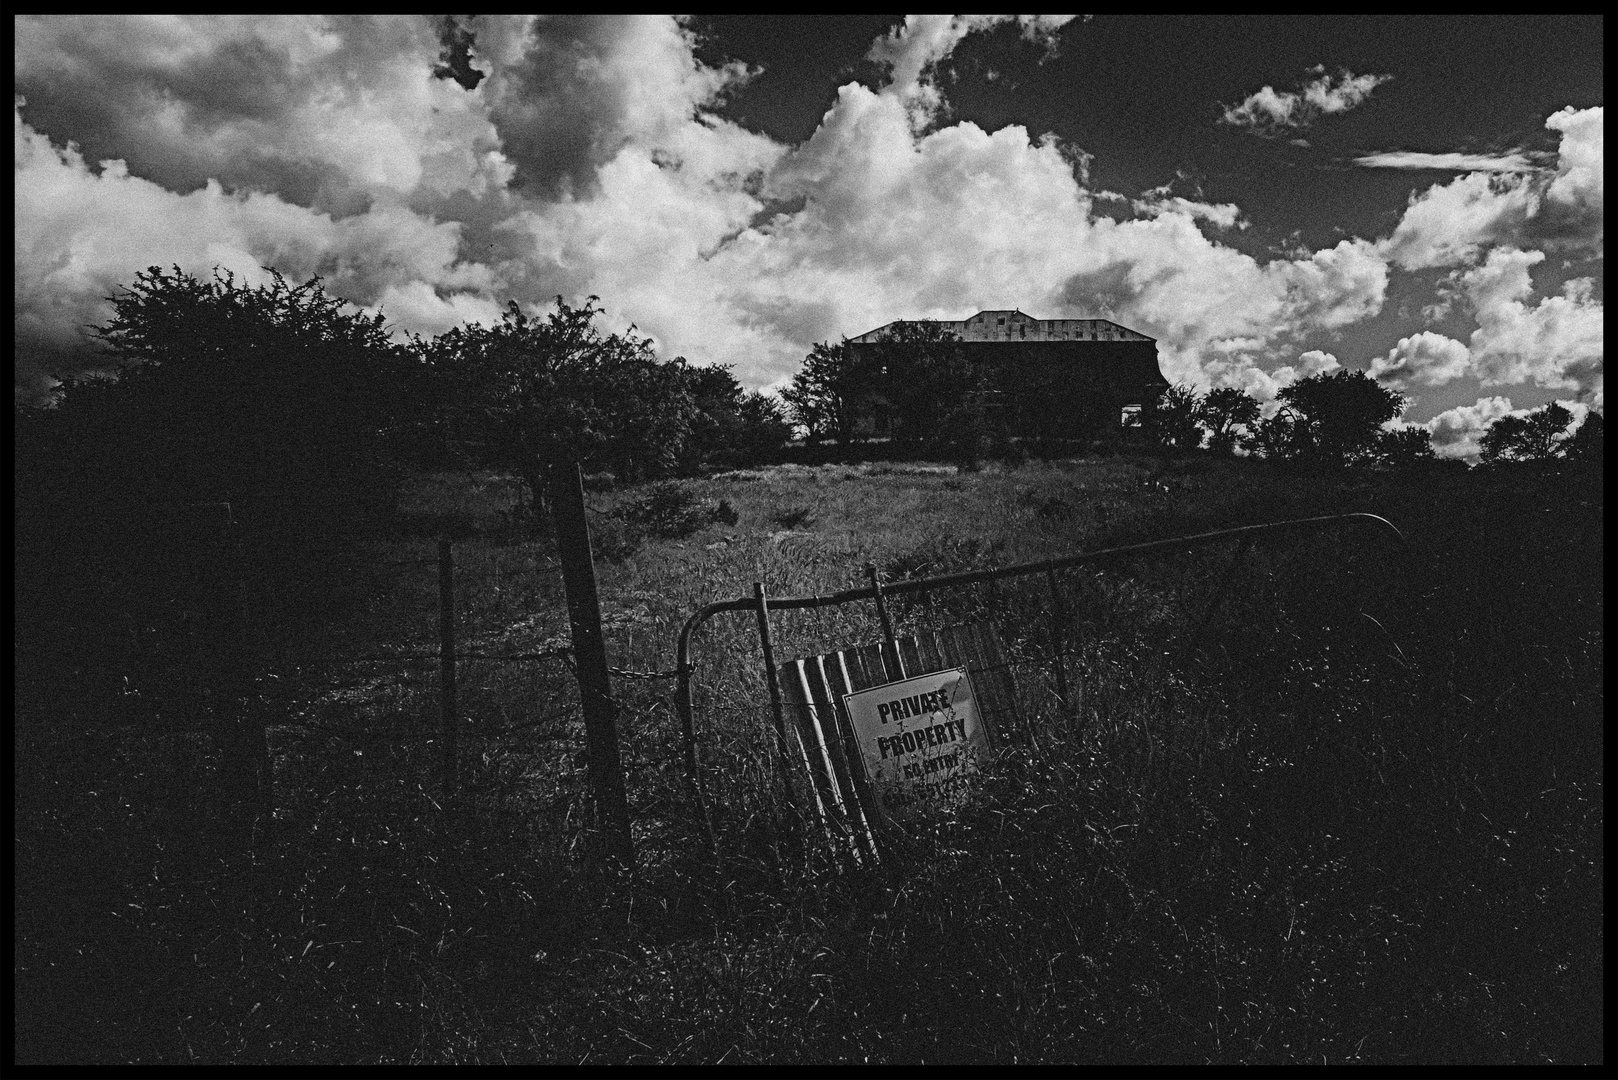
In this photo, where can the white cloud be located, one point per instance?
(1428, 358)
(1309, 364)
(1558, 342)
(911, 50)
(1456, 431)
(590, 160)
(1452, 224)
(1269, 111)
(1575, 200)
(1514, 162)
(1219, 215)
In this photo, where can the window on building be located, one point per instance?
(1001, 321)
(1131, 416)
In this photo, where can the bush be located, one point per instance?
(668, 511)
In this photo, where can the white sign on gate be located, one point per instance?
(921, 740)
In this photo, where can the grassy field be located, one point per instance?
(1352, 815)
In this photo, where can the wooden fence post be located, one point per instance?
(446, 664)
(590, 660)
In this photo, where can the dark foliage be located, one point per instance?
(826, 394)
(248, 432)
(1541, 435)
(1171, 419)
(932, 389)
(1331, 419)
(1227, 413)
(731, 427)
(528, 394)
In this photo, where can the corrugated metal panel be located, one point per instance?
(812, 691)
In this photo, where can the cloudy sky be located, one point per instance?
(1269, 198)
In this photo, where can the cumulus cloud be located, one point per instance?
(1219, 215)
(1429, 358)
(330, 113)
(1452, 224)
(80, 233)
(580, 89)
(589, 158)
(1269, 112)
(911, 50)
(1558, 342)
(1575, 201)
(1456, 431)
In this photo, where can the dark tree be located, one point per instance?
(1227, 413)
(1588, 443)
(1539, 436)
(1170, 419)
(529, 393)
(922, 371)
(1337, 419)
(730, 426)
(825, 395)
(200, 498)
(275, 398)
(1405, 446)
(1274, 437)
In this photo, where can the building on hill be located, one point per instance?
(1047, 378)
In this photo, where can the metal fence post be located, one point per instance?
(446, 663)
(590, 659)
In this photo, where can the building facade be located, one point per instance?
(1051, 378)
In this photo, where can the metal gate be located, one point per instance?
(839, 781)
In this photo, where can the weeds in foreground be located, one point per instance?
(1354, 815)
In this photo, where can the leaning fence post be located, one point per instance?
(446, 663)
(898, 670)
(590, 659)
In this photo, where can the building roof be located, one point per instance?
(1013, 325)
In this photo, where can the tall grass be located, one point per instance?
(1353, 814)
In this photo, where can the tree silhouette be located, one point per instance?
(1335, 419)
(1222, 412)
(529, 393)
(263, 396)
(826, 393)
(1538, 436)
(201, 495)
(923, 372)
(1588, 443)
(1404, 446)
(729, 425)
(1170, 419)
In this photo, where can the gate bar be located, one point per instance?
(774, 680)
